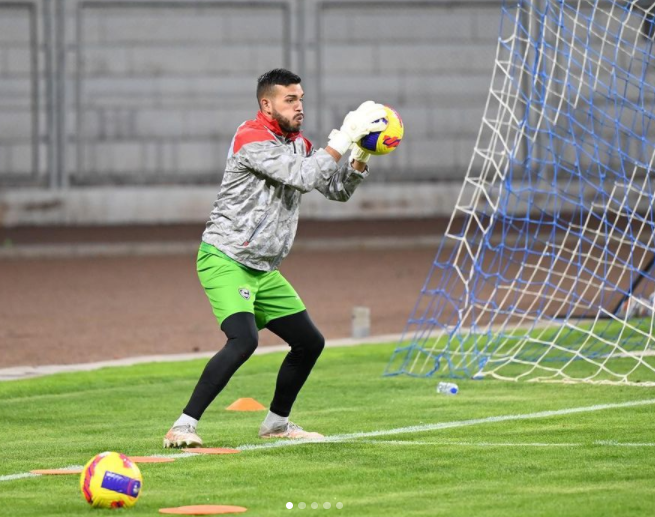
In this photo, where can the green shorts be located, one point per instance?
(232, 287)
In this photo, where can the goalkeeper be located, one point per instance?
(270, 164)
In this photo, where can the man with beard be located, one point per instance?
(270, 164)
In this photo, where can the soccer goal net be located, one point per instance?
(545, 272)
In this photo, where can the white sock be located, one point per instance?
(186, 420)
(273, 421)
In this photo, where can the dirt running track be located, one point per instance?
(72, 310)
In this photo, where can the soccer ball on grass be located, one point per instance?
(111, 480)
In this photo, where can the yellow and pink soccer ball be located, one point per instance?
(111, 480)
(385, 142)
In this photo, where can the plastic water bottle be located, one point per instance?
(447, 388)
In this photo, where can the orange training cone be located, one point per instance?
(203, 509)
(151, 459)
(246, 404)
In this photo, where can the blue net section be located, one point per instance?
(546, 269)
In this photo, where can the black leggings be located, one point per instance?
(242, 338)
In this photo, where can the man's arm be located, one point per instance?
(273, 160)
(356, 164)
(342, 184)
(318, 171)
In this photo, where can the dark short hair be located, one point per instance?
(267, 81)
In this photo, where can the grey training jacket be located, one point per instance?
(255, 215)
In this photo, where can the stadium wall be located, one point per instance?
(111, 103)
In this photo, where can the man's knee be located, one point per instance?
(242, 334)
(246, 344)
(301, 334)
(315, 344)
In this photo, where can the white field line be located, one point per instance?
(645, 353)
(11, 477)
(178, 455)
(465, 444)
(449, 425)
(614, 443)
(606, 443)
(340, 438)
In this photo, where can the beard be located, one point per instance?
(286, 125)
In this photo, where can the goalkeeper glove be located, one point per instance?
(359, 154)
(357, 124)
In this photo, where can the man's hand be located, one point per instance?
(359, 154)
(359, 158)
(357, 124)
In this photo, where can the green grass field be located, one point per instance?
(599, 462)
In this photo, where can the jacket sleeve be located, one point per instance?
(273, 160)
(342, 184)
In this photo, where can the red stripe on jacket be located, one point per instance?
(249, 133)
(259, 130)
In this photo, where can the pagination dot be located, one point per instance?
(314, 505)
(301, 506)
(289, 505)
(339, 505)
(327, 506)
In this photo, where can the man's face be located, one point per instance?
(285, 106)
